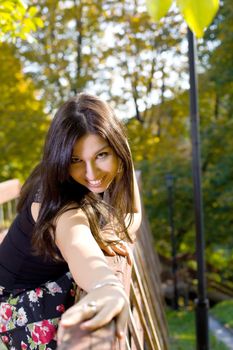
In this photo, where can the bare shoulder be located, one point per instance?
(71, 228)
(71, 216)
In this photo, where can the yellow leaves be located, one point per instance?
(23, 86)
(18, 75)
(158, 9)
(138, 157)
(7, 6)
(197, 13)
(135, 20)
(217, 258)
(17, 21)
(38, 21)
(32, 11)
(153, 140)
(29, 25)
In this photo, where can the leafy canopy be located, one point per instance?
(17, 20)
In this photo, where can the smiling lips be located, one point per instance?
(95, 183)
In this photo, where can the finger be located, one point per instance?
(77, 314)
(130, 257)
(121, 321)
(127, 255)
(120, 249)
(103, 317)
(108, 250)
(60, 333)
(125, 251)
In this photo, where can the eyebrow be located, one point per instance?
(100, 150)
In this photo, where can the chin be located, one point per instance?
(97, 190)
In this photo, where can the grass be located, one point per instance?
(181, 325)
(223, 312)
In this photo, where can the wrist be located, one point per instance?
(107, 283)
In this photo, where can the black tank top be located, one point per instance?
(19, 268)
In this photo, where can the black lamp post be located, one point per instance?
(202, 303)
(169, 182)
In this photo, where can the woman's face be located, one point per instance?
(94, 164)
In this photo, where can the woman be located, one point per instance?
(81, 200)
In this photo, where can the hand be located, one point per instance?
(120, 247)
(97, 309)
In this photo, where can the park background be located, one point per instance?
(113, 49)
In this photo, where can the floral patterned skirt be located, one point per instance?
(29, 318)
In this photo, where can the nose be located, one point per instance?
(91, 171)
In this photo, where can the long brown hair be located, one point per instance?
(80, 115)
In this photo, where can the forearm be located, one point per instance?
(88, 265)
(134, 225)
(77, 245)
(136, 216)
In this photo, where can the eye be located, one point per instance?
(75, 160)
(102, 155)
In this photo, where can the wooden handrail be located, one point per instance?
(9, 190)
(147, 326)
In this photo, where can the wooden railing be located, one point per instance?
(147, 327)
(9, 192)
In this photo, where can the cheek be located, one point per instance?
(115, 166)
(109, 167)
(75, 173)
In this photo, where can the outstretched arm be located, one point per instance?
(89, 269)
(86, 261)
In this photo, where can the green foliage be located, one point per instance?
(223, 311)
(17, 21)
(22, 119)
(218, 61)
(181, 326)
(217, 166)
(161, 145)
(216, 95)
